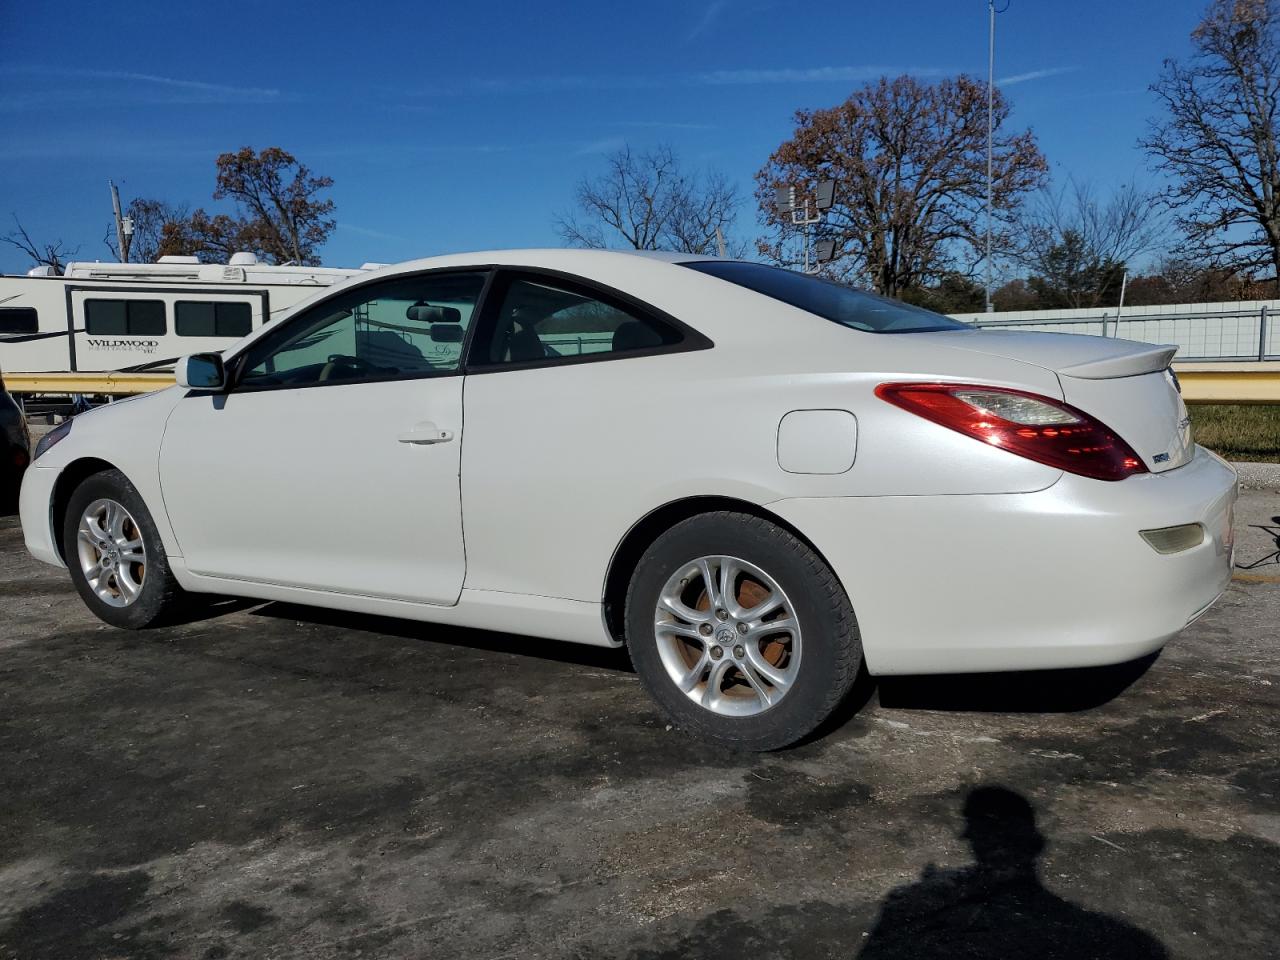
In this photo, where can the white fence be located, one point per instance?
(1203, 331)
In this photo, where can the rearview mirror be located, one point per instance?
(426, 313)
(201, 371)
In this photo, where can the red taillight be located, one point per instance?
(1038, 428)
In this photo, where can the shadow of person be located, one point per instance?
(998, 907)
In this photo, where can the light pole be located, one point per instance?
(991, 101)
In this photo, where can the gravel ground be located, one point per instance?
(277, 782)
(1259, 476)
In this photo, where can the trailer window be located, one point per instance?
(213, 319)
(19, 320)
(124, 318)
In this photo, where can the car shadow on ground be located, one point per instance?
(1031, 691)
(1042, 691)
(560, 651)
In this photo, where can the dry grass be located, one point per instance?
(1238, 432)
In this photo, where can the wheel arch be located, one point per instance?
(73, 474)
(627, 554)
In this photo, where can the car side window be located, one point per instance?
(547, 319)
(406, 327)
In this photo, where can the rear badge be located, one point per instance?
(1160, 458)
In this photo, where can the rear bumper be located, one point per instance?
(35, 509)
(1057, 578)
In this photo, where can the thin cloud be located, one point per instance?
(371, 233)
(713, 78)
(552, 84)
(1033, 75)
(808, 75)
(181, 89)
(662, 125)
(392, 152)
(92, 147)
(604, 145)
(1097, 95)
(710, 14)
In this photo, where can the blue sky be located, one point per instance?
(453, 126)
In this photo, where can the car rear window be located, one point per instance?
(833, 301)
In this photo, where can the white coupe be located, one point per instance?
(754, 480)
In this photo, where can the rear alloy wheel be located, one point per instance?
(728, 636)
(740, 631)
(115, 555)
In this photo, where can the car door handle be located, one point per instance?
(425, 433)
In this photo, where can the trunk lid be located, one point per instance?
(1129, 386)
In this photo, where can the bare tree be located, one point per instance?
(151, 220)
(648, 202)
(1078, 246)
(909, 161)
(53, 255)
(1217, 140)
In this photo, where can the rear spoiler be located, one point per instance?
(1140, 359)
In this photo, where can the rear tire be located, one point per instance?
(755, 666)
(115, 555)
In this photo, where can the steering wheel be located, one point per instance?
(341, 362)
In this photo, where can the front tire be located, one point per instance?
(115, 555)
(741, 632)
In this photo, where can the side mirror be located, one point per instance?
(201, 371)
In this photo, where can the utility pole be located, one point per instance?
(1124, 282)
(991, 99)
(124, 225)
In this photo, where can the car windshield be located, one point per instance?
(837, 302)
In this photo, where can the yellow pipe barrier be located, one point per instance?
(93, 384)
(1245, 382)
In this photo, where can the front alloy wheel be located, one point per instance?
(113, 557)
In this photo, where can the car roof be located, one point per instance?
(585, 263)
(547, 257)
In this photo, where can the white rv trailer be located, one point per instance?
(133, 316)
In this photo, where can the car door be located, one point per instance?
(332, 462)
(577, 397)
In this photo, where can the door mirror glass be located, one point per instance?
(201, 371)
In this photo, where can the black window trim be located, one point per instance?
(70, 290)
(697, 267)
(690, 339)
(483, 316)
(23, 310)
(214, 304)
(128, 302)
(236, 365)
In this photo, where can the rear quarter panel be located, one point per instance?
(1146, 411)
(560, 462)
